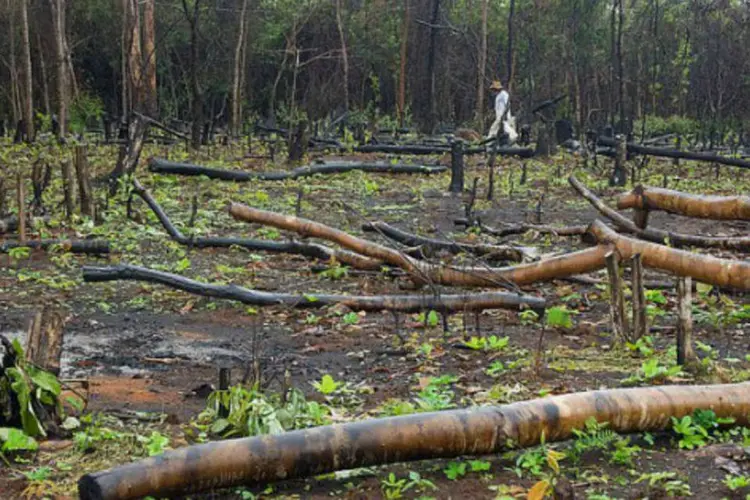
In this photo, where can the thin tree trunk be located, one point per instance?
(28, 102)
(21, 204)
(482, 67)
(58, 23)
(511, 66)
(135, 58)
(196, 100)
(14, 86)
(621, 78)
(402, 66)
(45, 81)
(685, 352)
(124, 44)
(344, 52)
(239, 68)
(149, 47)
(431, 64)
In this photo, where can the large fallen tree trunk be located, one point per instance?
(161, 166)
(704, 268)
(401, 303)
(690, 205)
(95, 247)
(418, 149)
(448, 434)
(511, 229)
(675, 153)
(431, 245)
(658, 235)
(311, 250)
(580, 262)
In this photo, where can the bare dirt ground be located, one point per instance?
(145, 348)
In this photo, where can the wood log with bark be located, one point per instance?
(658, 235)
(400, 303)
(687, 204)
(447, 434)
(312, 250)
(94, 247)
(676, 153)
(430, 246)
(509, 229)
(421, 272)
(161, 166)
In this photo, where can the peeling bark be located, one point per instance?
(658, 235)
(580, 262)
(447, 434)
(687, 204)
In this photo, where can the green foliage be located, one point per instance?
(19, 253)
(559, 317)
(455, 470)
(33, 389)
(252, 413)
(697, 430)
(652, 371)
(14, 440)
(667, 482)
(336, 272)
(436, 395)
(394, 488)
(491, 343)
(528, 317)
(327, 385)
(155, 444)
(350, 318)
(644, 346)
(735, 483)
(85, 108)
(595, 436)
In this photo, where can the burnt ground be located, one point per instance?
(134, 347)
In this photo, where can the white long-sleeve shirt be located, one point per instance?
(502, 102)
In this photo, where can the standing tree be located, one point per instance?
(482, 67)
(196, 100)
(28, 103)
(149, 47)
(58, 24)
(401, 106)
(239, 69)
(511, 62)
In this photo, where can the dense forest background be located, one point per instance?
(424, 63)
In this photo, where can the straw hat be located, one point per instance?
(496, 85)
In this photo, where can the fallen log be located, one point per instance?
(705, 268)
(94, 247)
(160, 166)
(431, 245)
(418, 149)
(676, 153)
(400, 303)
(447, 434)
(658, 235)
(311, 250)
(511, 229)
(689, 205)
(580, 262)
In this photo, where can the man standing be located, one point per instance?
(503, 123)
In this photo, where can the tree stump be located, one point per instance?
(616, 299)
(44, 341)
(640, 325)
(84, 182)
(457, 167)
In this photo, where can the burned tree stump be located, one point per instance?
(45, 340)
(685, 352)
(616, 299)
(619, 173)
(298, 143)
(457, 167)
(68, 188)
(21, 202)
(640, 326)
(84, 182)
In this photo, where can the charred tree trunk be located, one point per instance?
(401, 303)
(196, 98)
(21, 204)
(482, 67)
(44, 341)
(511, 59)
(344, 52)
(135, 57)
(431, 89)
(68, 188)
